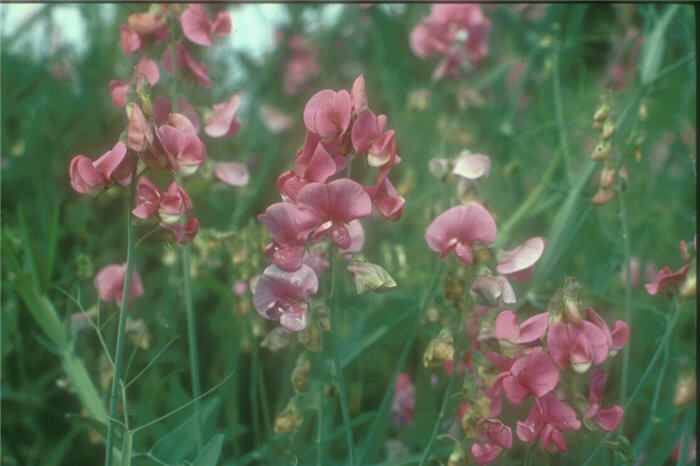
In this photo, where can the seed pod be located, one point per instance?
(608, 129)
(439, 350)
(601, 113)
(607, 176)
(602, 150)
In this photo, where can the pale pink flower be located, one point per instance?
(458, 228)
(618, 337)
(275, 121)
(387, 200)
(240, 287)
(580, 344)
(88, 177)
(666, 279)
(162, 108)
(224, 122)
(232, 173)
(358, 95)
(149, 69)
(110, 283)
(330, 207)
(131, 41)
(199, 29)
(357, 237)
(532, 374)
(519, 263)
(547, 419)
(534, 328)
(118, 90)
(472, 166)
(495, 290)
(607, 418)
(146, 24)
(328, 113)
(283, 295)
(404, 400)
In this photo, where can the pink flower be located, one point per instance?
(162, 109)
(666, 279)
(403, 401)
(330, 207)
(314, 164)
(139, 133)
(532, 374)
(366, 130)
(358, 95)
(283, 295)
(240, 287)
(458, 228)
(618, 337)
(110, 283)
(532, 329)
(149, 69)
(520, 262)
(498, 437)
(472, 166)
(357, 238)
(232, 173)
(609, 419)
(580, 344)
(148, 197)
(224, 121)
(328, 113)
(185, 151)
(287, 251)
(88, 177)
(118, 90)
(496, 291)
(387, 200)
(199, 70)
(174, 204)
(146, 24)
(547, 419)
(185, 233)
(131, 41)
(197, 27)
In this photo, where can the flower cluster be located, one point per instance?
(683, 280)
(458, 32)
(318, 201)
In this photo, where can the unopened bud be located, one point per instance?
(688, 289)
(608, 129)
(607, 176)
(300, 373)
(439, 350)
(288, 420)
(602, 150)
(601, 113)
(370, 277)
(603, 196)
(643, 111)
(686, 390)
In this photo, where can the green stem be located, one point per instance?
(321, 398)
(628, 291)
(563, 138)
(192, 341)
(381, 415)
(336, 358)
(121, 332)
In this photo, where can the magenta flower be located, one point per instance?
(366, 130)
(665, 279)
(519, 263)
(110, 283)
(532, 374)
(328, 113)
(534, 328)
(131, 41)
(610, 418)
(547, 419)
(197, 27)
(330, 207)
(580, 344)
(174, 204)
(88, 177)
(497, 437)
(232, 173)
(185, 151)
(283, 295)
(224, 122)
(287, 251)
(458, 228)
(148, 197)
(404, 400)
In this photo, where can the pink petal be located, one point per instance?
(84, 175)
(522, 257)
(540, 375)
(514, 391)
(131, 41)
(341, 200)
(281, 219)
(328, 113)
(195, 25)
(109, 164)
(472, 166)
(224, 113)
(118, 90)
(109, 282)
(288, 256)
(357, 237)
(611, 418)
(319, 168)
(139, 132)
(199, 69)
(468, 223)
(506, 327)
(365, 131)
(388, 201)
(232, 173)
(600, 346)
(559, 341)
(485, 454)
(148, 68)
(595, 387)
(620, 335)
(358, 95)
(222, 24)
(533, 328)
(148, 199)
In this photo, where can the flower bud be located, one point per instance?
(439, 350)
(370, 277)
(608, 175)
(643, 111)
(603, 196)
(300, 373)
(688, 289)
(608, 129)
(602, 150)
(277, 339)
(686, 390)
(601, 113)
(288, 420)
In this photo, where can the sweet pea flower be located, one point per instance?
(162, 108)
(328, 113)
(387, 200)
(185, 151)
(185, 233)
(403, 402)
(287, 251)
(497, 437)
(519, 263)
(118, 90)
(547, 419)
(534, 328)
(283, 295)
(149, 69)
(458, 228)
(148, 197)
(232, 173)
(358, 95)
(88, 177)
(330, 207)
(609, 418)
(496, 291)
(366, 130)
(617, 338)
(197, 27)
(532, 374)
(146, 24)
(139, 133)
(110, 283)
(666, 279)
(131, 41)
(199, 70)
(580, 344)
(174, 204)
(224, 122)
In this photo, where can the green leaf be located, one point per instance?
(174, 446)
(211, 452)
(654, 47)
